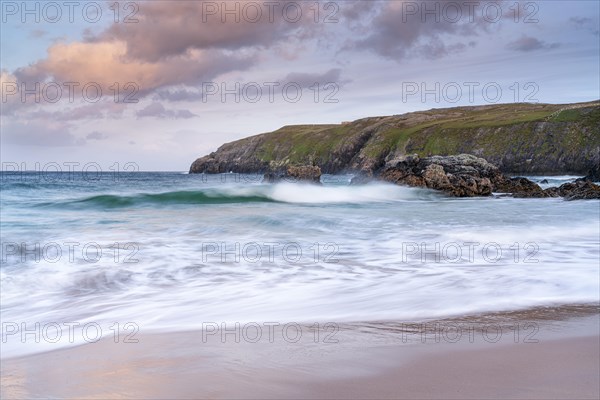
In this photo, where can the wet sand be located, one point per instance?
(552, 353)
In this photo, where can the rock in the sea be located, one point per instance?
(303, 173)
(578, 190)
(462, 175)
(309, 173)
(467, 176)
(520, 187)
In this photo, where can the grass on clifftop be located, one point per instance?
(300, 142)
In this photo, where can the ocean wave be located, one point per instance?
(167, 198)
(280, 193)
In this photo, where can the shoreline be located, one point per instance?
(389, 328)
(547, 352)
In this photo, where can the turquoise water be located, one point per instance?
(171, 251)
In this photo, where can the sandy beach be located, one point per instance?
(537, 354)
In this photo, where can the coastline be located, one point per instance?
(555, 354)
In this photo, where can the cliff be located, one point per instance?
(518, 138)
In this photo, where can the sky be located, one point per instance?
(153, 85)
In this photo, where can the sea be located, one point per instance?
(85, 257)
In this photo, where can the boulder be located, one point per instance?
(462, 175)
(309, 173)
(578, 190)
(520, 187)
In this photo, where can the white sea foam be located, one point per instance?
(304, 193)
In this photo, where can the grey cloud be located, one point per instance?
(580, 20)
(96, 136)
(30, 74)
(528, 43)
(178, 95)
(185, 114)
(585, 23)
(353, 13)
(157, 110)
(437, 49)
(308, 79)
(396, 33)
(37, 33)
(304, 79)
(356, 10)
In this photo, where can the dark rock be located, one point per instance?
(304, 173)
(520, 187)
(460, 176)
(579, 190)
(310, 173)
(463, 175)
(544, 181)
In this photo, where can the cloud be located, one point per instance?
(170, 52)
(437, 49)
(106, 63)
(306, 80)
(96, 136)
(528, 43)
(392, 36)
(157, 110)
(9, 92)
(177, 45)
(167, 29)
(585, 23)
(101, 110)
(358, 10)
(178, 94)
(37, 33)
(580, 20)
(401, 29)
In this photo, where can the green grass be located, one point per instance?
(297, 144)
(494, 119)
(567, 116)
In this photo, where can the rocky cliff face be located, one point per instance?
(465, 175)
(518, 138)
